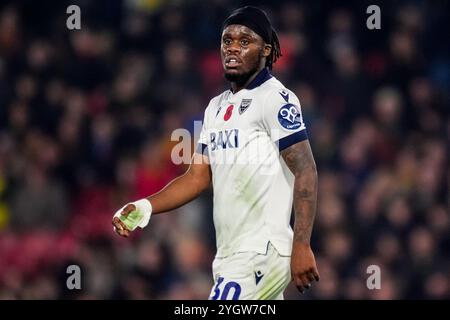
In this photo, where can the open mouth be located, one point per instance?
(232, 62)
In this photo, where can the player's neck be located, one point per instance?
(235, 86)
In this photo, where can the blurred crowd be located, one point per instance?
(86, 118)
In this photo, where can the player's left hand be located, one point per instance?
(303, 266)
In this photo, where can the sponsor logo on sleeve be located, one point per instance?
(290, 117)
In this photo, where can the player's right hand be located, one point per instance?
(132, 215)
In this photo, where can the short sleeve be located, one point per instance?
(202, 143)
(282, 118)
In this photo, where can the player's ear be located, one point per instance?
(267, 49)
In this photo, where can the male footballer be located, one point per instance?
(254, 149)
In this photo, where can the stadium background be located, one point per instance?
(85, 124)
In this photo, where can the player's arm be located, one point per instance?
(178, 192)
(185, 188)
(300, 160)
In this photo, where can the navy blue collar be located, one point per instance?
(260, 78)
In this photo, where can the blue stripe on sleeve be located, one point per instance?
(288, 141)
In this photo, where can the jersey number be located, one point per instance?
(226, 290)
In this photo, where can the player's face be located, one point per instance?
(242, 52)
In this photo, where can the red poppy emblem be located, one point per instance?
(228, 113)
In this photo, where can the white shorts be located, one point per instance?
(251, 276)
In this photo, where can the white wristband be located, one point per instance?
(145, 207)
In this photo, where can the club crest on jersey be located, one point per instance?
(244, 105)
(284, 94)
(290, 117)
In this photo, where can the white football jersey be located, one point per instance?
(243, 135)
